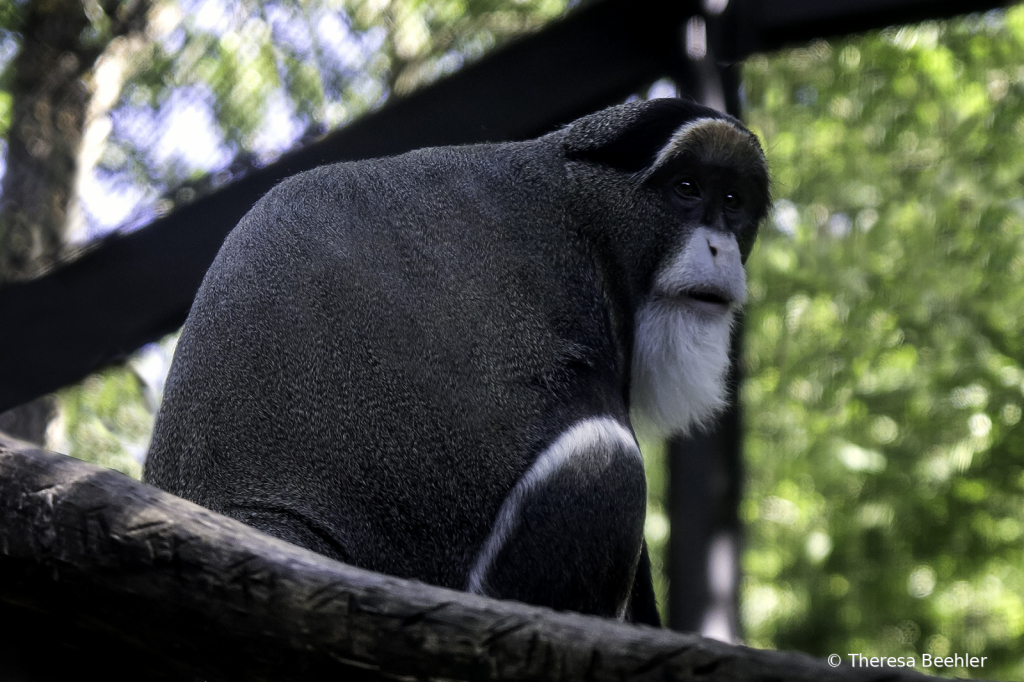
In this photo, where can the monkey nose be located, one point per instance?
(721, 244)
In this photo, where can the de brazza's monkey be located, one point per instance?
(432, 365)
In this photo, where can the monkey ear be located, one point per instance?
(629, 137)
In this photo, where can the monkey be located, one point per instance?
(435, 365)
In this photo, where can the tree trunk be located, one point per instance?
(49, 101)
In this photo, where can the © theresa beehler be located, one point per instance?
(927, 661)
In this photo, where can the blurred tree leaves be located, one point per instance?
(105, 420)
(885, 498)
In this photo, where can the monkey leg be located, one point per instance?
(570, 533)
(643, 604)
(288, 525)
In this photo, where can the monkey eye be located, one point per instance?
(687, 187)
(733, 201)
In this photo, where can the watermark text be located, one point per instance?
(926, 661)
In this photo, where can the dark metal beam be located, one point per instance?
(764, 25)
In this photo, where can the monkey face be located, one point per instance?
(714, 175)
(713, 178)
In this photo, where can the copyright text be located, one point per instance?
(927, 661)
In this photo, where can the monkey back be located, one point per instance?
(380, 350)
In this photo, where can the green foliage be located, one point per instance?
(429, 38)
(12, 13)
(106, 421)
(657, 525)
(5, 112)
(883, 356)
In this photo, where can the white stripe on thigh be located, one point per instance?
(595, 439)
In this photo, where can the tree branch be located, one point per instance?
(179, 591)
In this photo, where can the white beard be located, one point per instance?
(680, 362)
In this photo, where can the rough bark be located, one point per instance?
(173, 590)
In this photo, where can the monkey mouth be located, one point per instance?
(712, 296)
(704, 299)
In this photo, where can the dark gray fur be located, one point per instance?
(382, 349)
